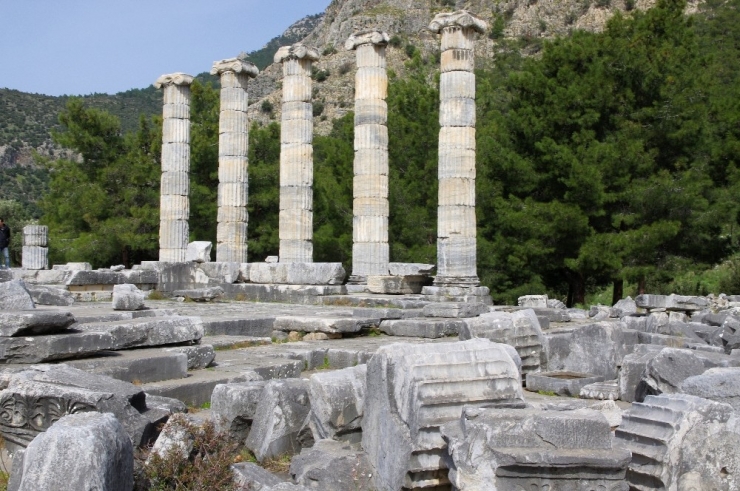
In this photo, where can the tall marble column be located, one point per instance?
(233, 164)
(370, 208)
(296, 154)
(174, 208)
(456, 225)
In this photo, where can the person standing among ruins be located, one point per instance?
(4, 244)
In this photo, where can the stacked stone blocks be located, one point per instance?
(175, 185)
(233, 164)
(35, 250)
(370, 250)
(456, 224)
(296, 154)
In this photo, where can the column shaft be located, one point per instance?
(174, 209)
(296, 155)
(370, 251)
(233, 163)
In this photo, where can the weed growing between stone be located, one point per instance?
(207, 468)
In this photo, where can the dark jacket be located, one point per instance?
(4, 236)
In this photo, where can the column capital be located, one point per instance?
(298, 51)
(461, 18)
(173, 79)
(378, 38)
(235, 65)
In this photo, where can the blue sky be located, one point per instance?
(79, 47)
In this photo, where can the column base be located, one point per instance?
(357, 279)
(456, 281)
(472, 294)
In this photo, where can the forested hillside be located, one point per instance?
(608, 163)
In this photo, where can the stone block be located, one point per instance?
(35, 235)
(397, 285)
(664, 373)
(332, 466)
(370, 111)
(222, 271)
(369, 186)
(521, 330)
(127, 297)
(602, 391)
(297, 273)
(143, 332)
(413, 389)
(457, 111)
(327, 324)
(280, 424)
(337, 404)
(370, 136)
(561, 383)
(457, 85)
(31, 323)
(199, 251)
(37, 397)
(534, 449)
(199, 355)
(253, 477)
(633, 366)
(200, 294)
(422, 328)
(596, 348)
(454, 310)
(371, 82)
(35, 257)
(718, 384)
(175, 184)
(236, 405)
(80, 451)
(681, 442)
(410, 269)
(139, 366)
(53, 347)
(48, 295)
(533, 301)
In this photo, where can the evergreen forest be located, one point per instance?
(607, 166)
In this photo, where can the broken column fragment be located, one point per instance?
(296, 154)
(370, 188)
(337, 403)
(456, 223)
(174, 208)
(504, 449)
(233, 164)
(35, 247)
(413, 389)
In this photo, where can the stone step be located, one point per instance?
(195, 390)
(238, 326)
(87, 317)
(246, 359)
(330, 325)
(136, 366)
(54, 347)
(227, 342)
(144, 332)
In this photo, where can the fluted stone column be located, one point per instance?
(35, 250)
(233, 145)
(456, 225)
(370, 254)
(296, 155)
(174, 208)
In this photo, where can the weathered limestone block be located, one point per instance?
(81, 451)
(24, 323)
(602, 391)
(396, 285)
(35, 235)
(633, 366)
(127, 297)
(175, 184)
(199, 251)
(53, 347)
(681, 442)
(520, 329)
(533, 301)
(413, 389)
(199, 355)
(671, 302)
(596, 348)
(717, 384)
(15, 296)
(38, 397)
(408, 269)
(332, 466)
(561, 383)
(236, 405)
(142, 332)
(35, 257)
(253, 477)
(175, 157)
(49, 295)
(664, 373)
(503, 449)
(421, 327)
(454, 310)
(280, 424)
(337, 404)
(297, 273)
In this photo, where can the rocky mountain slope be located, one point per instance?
(406, 21)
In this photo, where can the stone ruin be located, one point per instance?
(387, 382)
